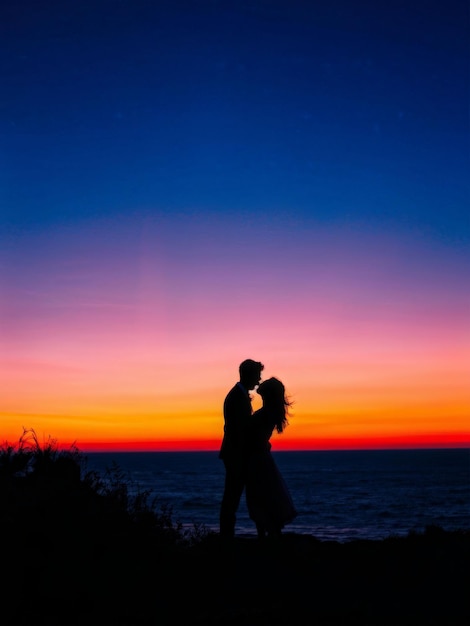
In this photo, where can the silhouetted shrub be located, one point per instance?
(48, 492)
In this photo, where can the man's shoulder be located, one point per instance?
(235, 390)
(236, 396)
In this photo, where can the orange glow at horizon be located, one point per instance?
(335, 406)
(198, 425)
(339, 401)
(132, 356)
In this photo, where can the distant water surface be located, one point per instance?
(339, 495)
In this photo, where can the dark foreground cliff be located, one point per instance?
(418, 580)
(78, 549)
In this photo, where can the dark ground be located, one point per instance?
(419, 580)
(79, 551)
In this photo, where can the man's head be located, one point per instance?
(250, 373)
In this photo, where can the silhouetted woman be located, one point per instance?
(268, 499)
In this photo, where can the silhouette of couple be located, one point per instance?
(246, 454)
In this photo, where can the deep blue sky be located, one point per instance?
(341, 110)
(185, 184)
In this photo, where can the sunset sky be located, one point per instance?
(186, 184)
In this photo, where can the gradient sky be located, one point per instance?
(186, 184)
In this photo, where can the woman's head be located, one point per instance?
(274, 398)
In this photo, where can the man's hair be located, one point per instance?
(249, 366)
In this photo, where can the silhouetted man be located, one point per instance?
(233, 451)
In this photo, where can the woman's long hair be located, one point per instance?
(275, 401)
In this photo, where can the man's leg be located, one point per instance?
(261, 531)
(234, 485)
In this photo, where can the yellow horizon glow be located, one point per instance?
(359, 414)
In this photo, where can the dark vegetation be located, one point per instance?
(79, 548)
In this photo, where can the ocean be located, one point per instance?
(339, 495)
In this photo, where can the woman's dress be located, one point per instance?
(268, 498)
